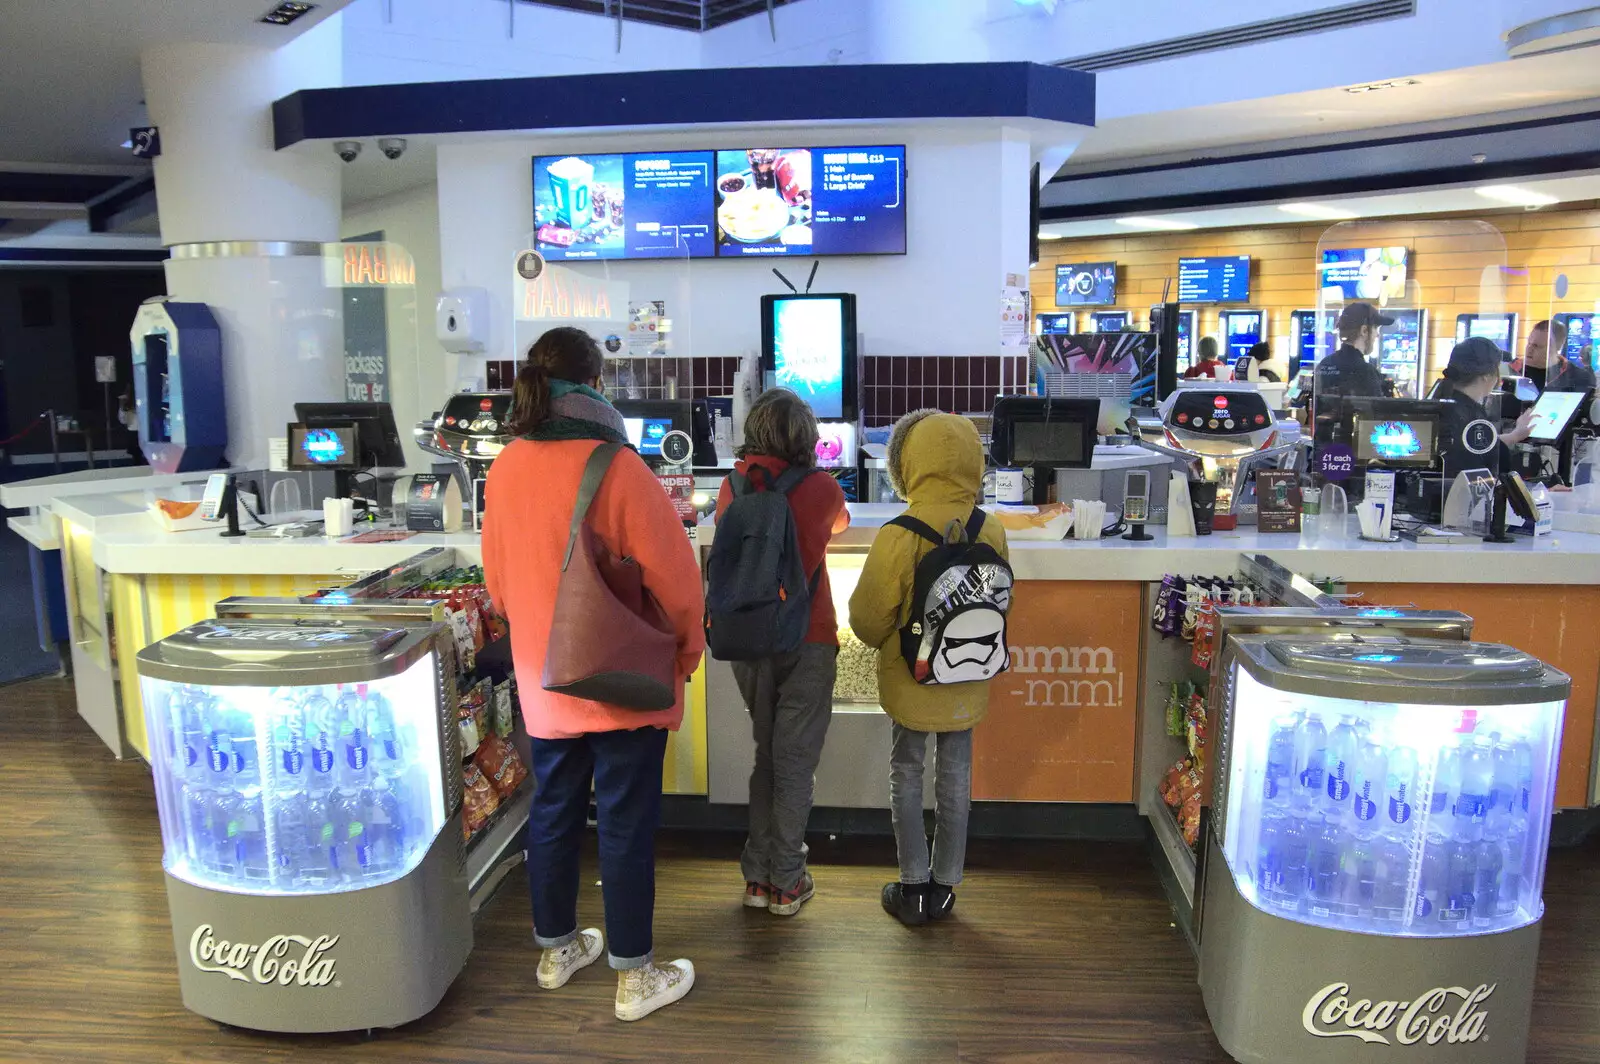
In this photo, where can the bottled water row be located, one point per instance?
(295, 789)
(1348, 836)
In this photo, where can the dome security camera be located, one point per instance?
(392, 147)
(347, 149)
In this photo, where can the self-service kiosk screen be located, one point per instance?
(646, 433)
(1553, 413)
(1393, 441)
(1047, 442)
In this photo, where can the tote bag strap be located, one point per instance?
(594, 471)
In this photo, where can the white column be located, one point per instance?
(246, 222)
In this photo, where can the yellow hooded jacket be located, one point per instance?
(936, 465)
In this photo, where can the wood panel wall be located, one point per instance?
(1490, 262)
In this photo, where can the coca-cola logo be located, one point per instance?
(1427, 1018)
(281, 959)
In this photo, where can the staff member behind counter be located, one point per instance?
(1545, 362)
(1347, 371)
(1471, 375)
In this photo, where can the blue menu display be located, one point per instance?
(1223, 279)
(811, 201)
(1366, 273)
(634, 206)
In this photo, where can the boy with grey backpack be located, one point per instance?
(770, 612)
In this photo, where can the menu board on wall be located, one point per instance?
(1215, 279)
(742, 202)
(811, 201)
(634, 206)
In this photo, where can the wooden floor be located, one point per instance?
(1061, 952)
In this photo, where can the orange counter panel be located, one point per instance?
(1556, 624)
(1061, 723)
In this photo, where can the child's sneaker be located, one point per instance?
(909, 905)
(941, 901)
(640, 991)
(556, 966)
(757, 895)
(788, 902)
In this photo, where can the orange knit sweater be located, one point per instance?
(531, 492)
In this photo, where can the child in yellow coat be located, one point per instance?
(935, 463)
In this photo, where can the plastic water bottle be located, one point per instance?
(195, 807)
(1461, 883)
(1368, 786)
(317, 869)
(289, 761)
(1280, 763)
(1342, 746)
(1446, 784)
(1432, 892)
(1391, 877)
(1522, 751)
(1310, 762)
(247, 833)
(1326, 858)
(353, 768)
(231, 751)
(188, 733)
(350, 846)
(322, 743)
(389, 753)
(1400, 791)
(1477, 789)
(386, 831)
(1489, 860)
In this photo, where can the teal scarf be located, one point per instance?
(578, 412)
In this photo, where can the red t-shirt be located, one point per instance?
(816, 502)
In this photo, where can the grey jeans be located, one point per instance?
(790, 699)
(952, 797)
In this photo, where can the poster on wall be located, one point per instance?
(1013, 319)
(648, 333)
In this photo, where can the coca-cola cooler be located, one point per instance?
(1375, 860)
(310, 804)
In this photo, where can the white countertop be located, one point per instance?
(41, 490)
(205, 551)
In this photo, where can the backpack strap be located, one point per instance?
(739, 484)
(919, 528)
(594, 471)
(791, 478)
(975, 524)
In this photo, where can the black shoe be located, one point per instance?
(941, 901)
(909, 905)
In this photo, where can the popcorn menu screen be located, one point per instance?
(632, 206)
(697, 204)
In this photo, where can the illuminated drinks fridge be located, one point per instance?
(308, 786)
(1374, 865)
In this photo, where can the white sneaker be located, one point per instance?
(556, 966)
(640, 991)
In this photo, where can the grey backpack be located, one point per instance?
(758, 594)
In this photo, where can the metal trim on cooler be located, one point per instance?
(248, 249)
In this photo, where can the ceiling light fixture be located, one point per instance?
(286, 13)
(1156, 223)
(1517, 197)
(1051, 236)
(1318, 210)
(1374, 86)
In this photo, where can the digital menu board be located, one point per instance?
(1366, 273)
(1219, 279)
(1086, 284)
(811, 201)
(634, 206)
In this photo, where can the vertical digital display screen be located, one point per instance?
(811, 201)
(808, 343)
(1242, 330)
(1222, 279)
(1583, 341)
(1086, 284)
(634, 206)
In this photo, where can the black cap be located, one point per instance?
(1356, 315)
(1473, 357)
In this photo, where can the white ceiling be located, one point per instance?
(1548, 81)
(69, 70)
(1571, 188)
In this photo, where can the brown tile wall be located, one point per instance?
(895, 384)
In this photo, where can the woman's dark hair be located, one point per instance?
(565, 354)
(1261, 351)
(781, 425)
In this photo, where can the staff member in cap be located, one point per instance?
(1347, 371)
(1545, 361)
(1471, 375)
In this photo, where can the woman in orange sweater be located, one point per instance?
(559, 417)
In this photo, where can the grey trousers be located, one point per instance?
(952, 797)
(790, 699)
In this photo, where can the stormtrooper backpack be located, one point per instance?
(959, 600)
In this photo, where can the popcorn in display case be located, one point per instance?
(308, 784)
(1374, 868)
